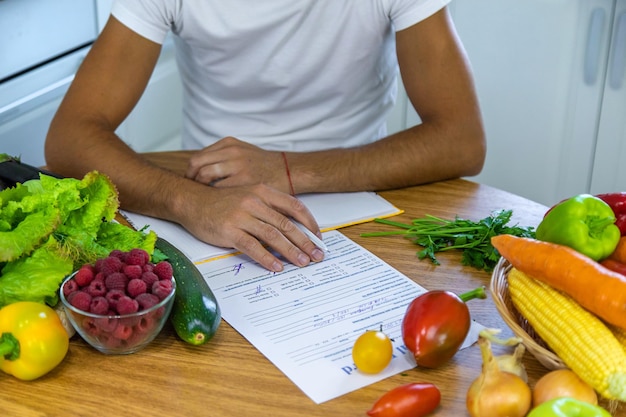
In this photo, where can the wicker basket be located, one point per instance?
(499, 289)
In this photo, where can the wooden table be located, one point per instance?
(229, 377)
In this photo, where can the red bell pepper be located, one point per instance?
(617, 202)
(614, 266)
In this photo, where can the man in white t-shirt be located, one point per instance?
(280, 97)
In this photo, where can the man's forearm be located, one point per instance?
(141, 185)
(418, 155)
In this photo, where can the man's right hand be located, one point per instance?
(254, 220)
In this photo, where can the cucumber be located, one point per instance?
(196, 314)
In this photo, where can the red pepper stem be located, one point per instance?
(475, 293)
(9, 347)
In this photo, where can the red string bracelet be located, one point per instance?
(292, 191)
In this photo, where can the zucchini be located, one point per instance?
(196, 314)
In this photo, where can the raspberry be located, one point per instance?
(149, 267)
(99, 277)
(137, 338)
(113, 297)
(132, 271)
(98, 264)
(106, 324)
(99, 305)
(96, 289)
(121, 255)
(149, 278)
(80, 299)
(162, 288)
(110, 265)
(130, 320)
(90, 326)
(84, 275)
(147, 300)
(116, 281)
(69, 287)
(122, 332)
(110, 342)
(126, 305)
(145, 325)
(135, 287)
(164, 270)
(137, 257)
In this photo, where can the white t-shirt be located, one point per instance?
(289, 75)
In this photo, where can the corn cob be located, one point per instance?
(619, 333)
(582, 341)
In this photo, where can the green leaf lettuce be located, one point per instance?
(35, 277)
(50, 227)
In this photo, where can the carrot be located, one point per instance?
(596, 288)
(614, 265)
(619, 254)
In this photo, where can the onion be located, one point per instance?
(508, 363)
(513, 363)
(496, 393)
(563, 383)
(64, 320)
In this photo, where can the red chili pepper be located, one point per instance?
(408, 400)
(614, 266)
(617, 201)
(435, 325)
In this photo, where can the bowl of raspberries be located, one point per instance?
(120, 303)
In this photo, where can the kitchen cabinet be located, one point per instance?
(42, 43)
(32, 85)
(550, 78)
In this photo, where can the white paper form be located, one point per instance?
(305, 320)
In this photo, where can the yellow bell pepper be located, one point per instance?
(33, 340)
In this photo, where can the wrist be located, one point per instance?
(180, 196)
(292, 191)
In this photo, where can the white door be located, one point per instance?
(609, 169)
(538, 66)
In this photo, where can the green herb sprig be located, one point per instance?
(435, 234)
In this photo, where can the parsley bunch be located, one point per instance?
(473, 238)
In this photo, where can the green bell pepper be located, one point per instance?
(567, 407)
(584, 223)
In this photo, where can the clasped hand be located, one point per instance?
(231, 162)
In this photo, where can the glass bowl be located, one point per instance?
(119, 334)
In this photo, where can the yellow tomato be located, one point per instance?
(372, 351)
